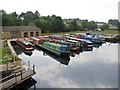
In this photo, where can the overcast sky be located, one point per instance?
(97, 10)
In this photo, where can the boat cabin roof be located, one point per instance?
(84, 40)
(73, 41)
(62, 42)
(35, 38)
(26, 43)
(54, 44)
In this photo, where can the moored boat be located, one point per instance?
(25, 44)
(55, 48)
(74, 45)
(94, 40)
(37, 40)
(87, 45)
(31, 41)
(58, 37)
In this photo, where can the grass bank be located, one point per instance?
(6, 52)
(2, 53)
(95, 32)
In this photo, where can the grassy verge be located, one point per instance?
(106, 32)
(95, 32)
(2, 53)
(6, 51)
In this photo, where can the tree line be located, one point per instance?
(48, 23)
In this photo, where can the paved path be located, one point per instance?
(10, 46)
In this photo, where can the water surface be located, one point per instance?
(89, 69)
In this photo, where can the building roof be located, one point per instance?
(19, 28)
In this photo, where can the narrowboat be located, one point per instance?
(25, 44)
(43, 39)
(37, 41)
(62, 42)
(57, 49)
(74, 39)
(74, 46)
(99, 37)
(94, 40)
(31, 41)
(58, 37)
(78, 40)
(87, 45)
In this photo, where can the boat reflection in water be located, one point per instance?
(97, 45)
(74, 53)
(20, 51)
(29, 53)
(63, 60)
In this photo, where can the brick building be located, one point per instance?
(9, 32)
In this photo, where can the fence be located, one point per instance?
(16, 78)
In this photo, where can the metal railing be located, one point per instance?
(16, 78)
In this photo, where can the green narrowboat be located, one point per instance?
(58, 49)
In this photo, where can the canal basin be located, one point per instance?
(90, 69)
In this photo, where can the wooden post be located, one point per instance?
(34, 87)
(6, 60)
(15, 78)
(34, 68)
(28, 65)
(21, 74)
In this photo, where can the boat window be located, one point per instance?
(63, 49)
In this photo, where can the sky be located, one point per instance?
(97, 10)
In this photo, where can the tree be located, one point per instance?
(59, 24)
(104, 26)
(70, 27)
(44, 25)
(84, 24)
(28, 17)
(10, 19)
(36, 15)
(21, 16)
(92, 25)
(75, 26)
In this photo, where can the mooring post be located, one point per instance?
(15, 78)
(28, 65)
(34, 68)
(34, 87)
(21, 74)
